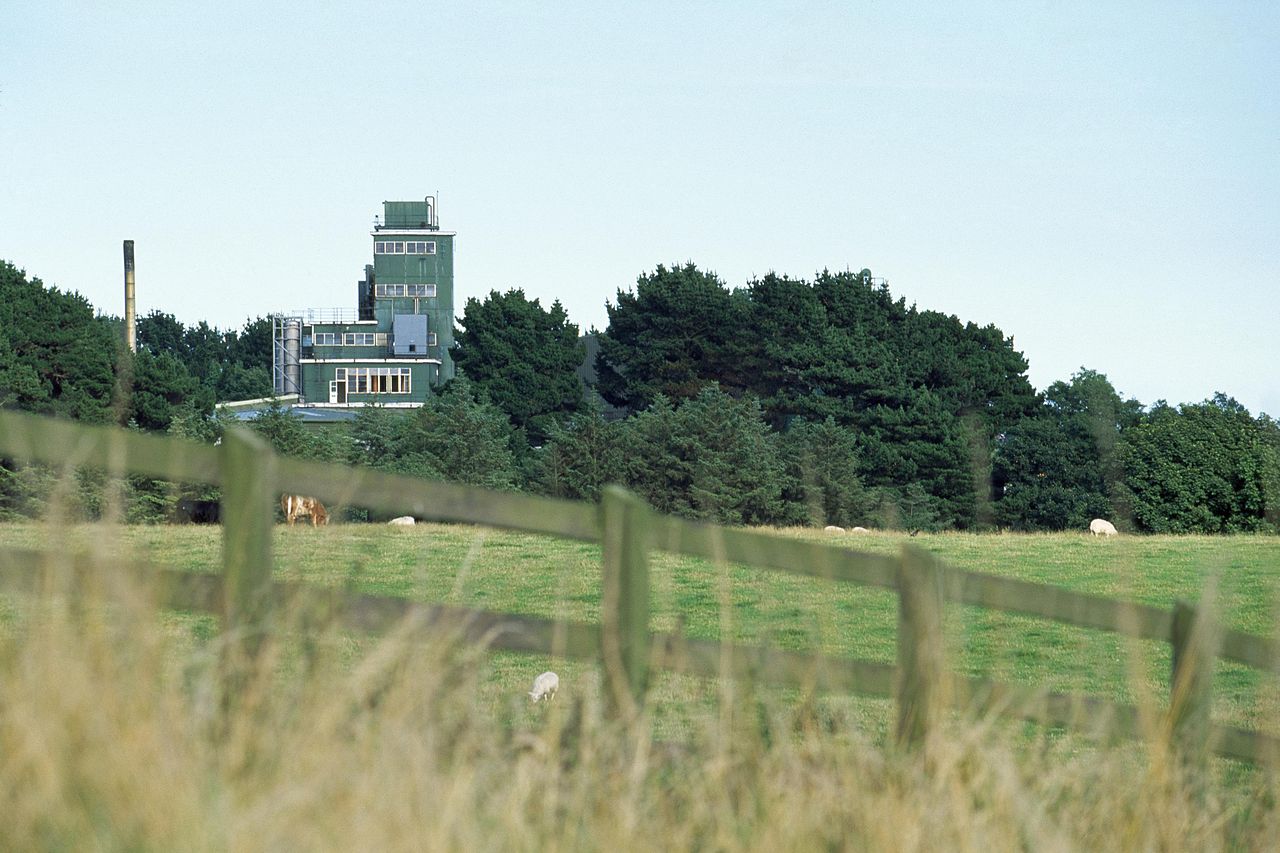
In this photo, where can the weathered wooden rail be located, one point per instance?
(251, 477)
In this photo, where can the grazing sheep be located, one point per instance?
(831, 528)
(403, 521)
(1102, 527)
(544, 686)
(860, 530)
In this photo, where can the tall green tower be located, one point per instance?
(394, 346)
(413, 278)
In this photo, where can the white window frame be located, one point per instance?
(325, 339)
(358, 339)
(401, 291)
(379, 380)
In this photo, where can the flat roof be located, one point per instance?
(306, 414)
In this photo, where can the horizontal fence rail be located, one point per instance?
(397, 493)
(248, 472)
(31, 571)
(67, 444)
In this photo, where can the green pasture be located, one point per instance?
(542, 576)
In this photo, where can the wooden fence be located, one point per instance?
(251, 477)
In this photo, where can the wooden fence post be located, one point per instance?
(248, 518)
(624, 600)
(921, 689)
(1191, 685)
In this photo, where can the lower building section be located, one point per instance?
(384, 382)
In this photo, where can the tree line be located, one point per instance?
(785, 402)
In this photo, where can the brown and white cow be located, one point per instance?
(295, 506)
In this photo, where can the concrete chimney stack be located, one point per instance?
(130, 300)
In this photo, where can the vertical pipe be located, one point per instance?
(130, 300)
(292, 355)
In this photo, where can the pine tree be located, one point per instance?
(56, 357)
(826, 456)
(524, 358)
(582, 456)
(463, 437)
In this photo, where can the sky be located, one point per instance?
(1099, 180)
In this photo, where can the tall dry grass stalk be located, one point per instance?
(113, 736)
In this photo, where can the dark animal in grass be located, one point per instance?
(194, 511)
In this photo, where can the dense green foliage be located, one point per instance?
(712, 458)
(1205, 468)
(227, 365)
(56, 357)
(677, 333)
(1057, 469)
(523, 357)
(457, 435)
(582, 456)
(822, 463)
(782, 402)
(922, 393)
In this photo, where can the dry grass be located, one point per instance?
(114, 734)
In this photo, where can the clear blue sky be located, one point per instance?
(1101, 181)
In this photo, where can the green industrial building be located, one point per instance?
(393, 347)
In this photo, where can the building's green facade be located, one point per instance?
(395, 346)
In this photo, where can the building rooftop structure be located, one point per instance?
(392, 347)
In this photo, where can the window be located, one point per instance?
(379, 380)
(326, 339)
(387, 247)
(357, 339)
(431, 339)
(394, 290)
(413, 247)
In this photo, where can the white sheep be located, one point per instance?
(860, 530)
(403, 521)
(1102, 527)
(544, 686)
(831, 528)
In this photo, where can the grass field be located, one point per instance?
(540, 576)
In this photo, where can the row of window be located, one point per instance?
(404, 290)
(350, 339)
(359, 339)
(374, 380)
(419, 247)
